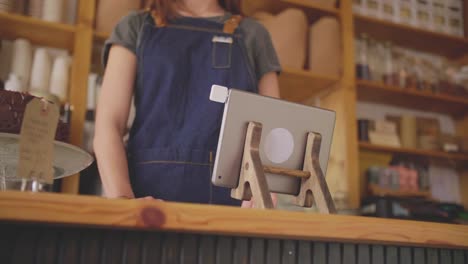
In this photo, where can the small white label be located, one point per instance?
(219, 93)
(221, 39)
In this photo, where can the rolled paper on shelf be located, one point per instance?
(41, 70)
(35, 8)
(52, 10)
(109, 12)
(325, 47)
(60, 77)
(21, 61)
(325, 3)
(13, 84)
(408, 131)
(288, 32)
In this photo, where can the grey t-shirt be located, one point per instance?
(260, 51)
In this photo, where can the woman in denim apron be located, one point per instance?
(174, 136)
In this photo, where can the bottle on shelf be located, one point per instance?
(389, 73)
(401, 69)
(362, 67)
(374, 56)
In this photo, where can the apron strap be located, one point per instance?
(158, 21)
(231, 24)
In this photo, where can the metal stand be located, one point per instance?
(252, 180)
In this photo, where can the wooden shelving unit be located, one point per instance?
(77, 39)
(434, 154)
(379, 191)
(449, 46)
(101, 36)
(313, 10)
(412, 37)
(299, 85)
(376, 92)
(39, 32)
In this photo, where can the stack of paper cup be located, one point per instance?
(60, 77)
(6, 5)
(52, 10)
(21, 60)
(41, 71)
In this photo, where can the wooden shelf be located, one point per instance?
(299, 85)
(312, 9)
(379, 191)
(101, 37)
(39, 32)
(370, 91)
(416, 152)
(412, 37)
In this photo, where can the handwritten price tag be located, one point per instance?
(37, 141)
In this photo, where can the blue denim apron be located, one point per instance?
(175, 133)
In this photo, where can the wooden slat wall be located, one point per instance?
(46, 244)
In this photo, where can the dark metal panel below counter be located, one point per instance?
(38, 243)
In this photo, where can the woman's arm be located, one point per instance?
(111, 122)
(268, 85)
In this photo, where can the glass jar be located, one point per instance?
(375, 60)
(389, 74)
(362, 66)
(401, 71)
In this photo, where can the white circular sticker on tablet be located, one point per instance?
(279, 145)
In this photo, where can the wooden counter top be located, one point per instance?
(156, 215)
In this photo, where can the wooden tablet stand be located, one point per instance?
(252, 180)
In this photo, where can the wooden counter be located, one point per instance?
(56, 228)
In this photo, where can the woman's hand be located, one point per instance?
(251, 203)
(147, 198)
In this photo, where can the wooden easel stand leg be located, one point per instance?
(252, 180)
(315, 187)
